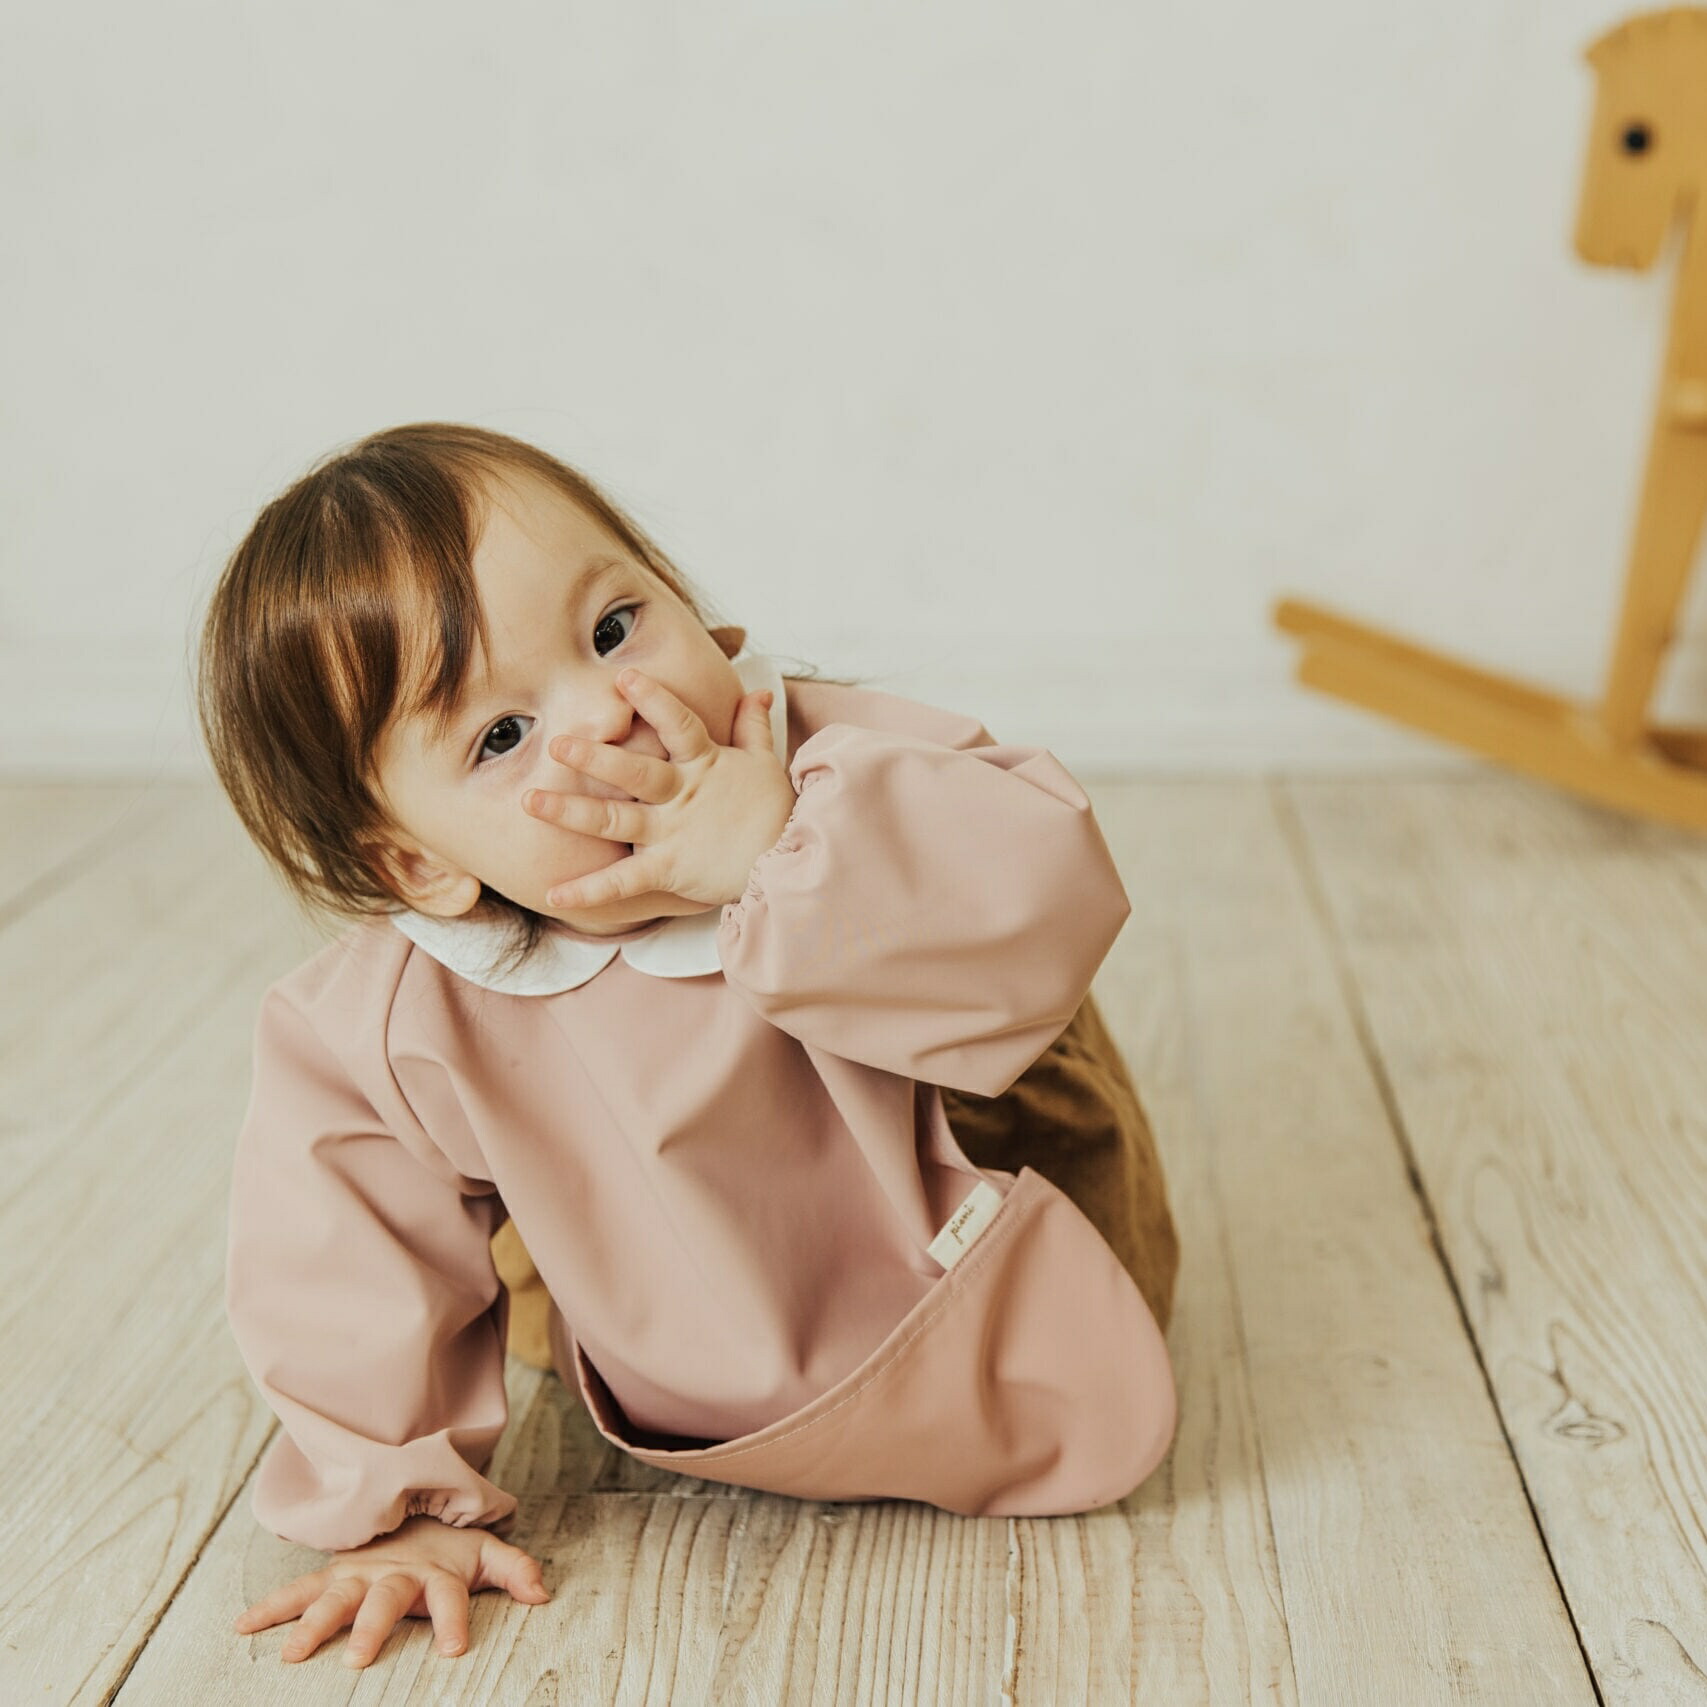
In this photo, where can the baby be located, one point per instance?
(673, 967)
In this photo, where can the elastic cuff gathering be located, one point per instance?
(790, 839)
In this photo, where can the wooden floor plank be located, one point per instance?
(1173, 1595)
(50, 830)
(127, 999)
(1532, 971)
(1408, 1558)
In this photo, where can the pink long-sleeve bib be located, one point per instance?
(721, 1140)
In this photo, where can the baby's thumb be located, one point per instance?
(511, 1569)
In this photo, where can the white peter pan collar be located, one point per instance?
(683, 946)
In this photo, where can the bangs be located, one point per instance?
(410, 614)
(434, 602)
(435, 620)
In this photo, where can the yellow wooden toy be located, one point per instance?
(1647, 166)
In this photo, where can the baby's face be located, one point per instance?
(568, 606)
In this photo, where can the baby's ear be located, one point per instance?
(419, 880)
(730, 639)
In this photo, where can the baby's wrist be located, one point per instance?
(767, 829)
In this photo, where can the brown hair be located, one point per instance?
(307, 647)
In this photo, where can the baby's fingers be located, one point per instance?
(283, 1603)
(386, 1602)
(447, 1602)
(331, 1612)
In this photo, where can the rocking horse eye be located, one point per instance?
(1636, 139)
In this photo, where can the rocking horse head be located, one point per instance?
(1647, 148)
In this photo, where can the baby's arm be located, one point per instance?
(936, 911)
(362, 1293)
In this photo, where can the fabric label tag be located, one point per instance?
(965, 1224)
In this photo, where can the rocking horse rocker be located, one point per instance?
(1647, 164)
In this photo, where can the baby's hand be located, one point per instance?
(422, 1569)
(698, 819)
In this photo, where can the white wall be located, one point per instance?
(1017, 356)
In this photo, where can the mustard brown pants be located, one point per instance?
(1073, 1115)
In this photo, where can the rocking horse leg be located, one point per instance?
(1674, 497)
(1314, 623)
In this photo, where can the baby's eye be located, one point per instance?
(480, 757)
(607, 619)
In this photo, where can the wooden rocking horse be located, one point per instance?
(1647, 165)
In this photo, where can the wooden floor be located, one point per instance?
(1427, 1060)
